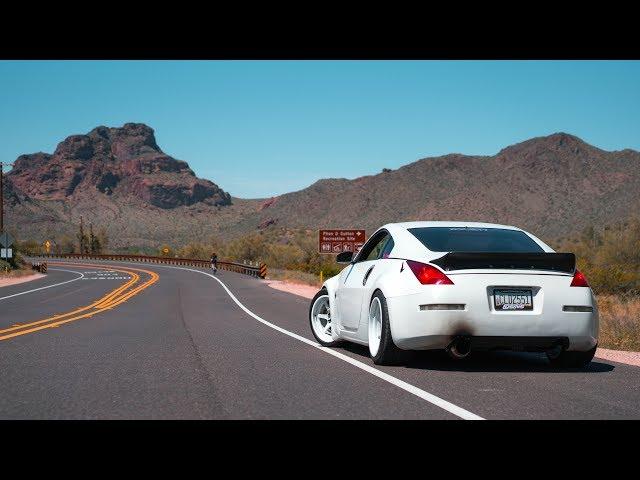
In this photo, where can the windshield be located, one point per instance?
(471, 239)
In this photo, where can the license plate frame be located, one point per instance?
(512, 299)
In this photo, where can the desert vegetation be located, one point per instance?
(610, 258)
(14, 266)
(282, 250)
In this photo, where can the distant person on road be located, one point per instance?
(214, 262)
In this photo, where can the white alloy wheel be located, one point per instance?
(375, 326)
(321, 319)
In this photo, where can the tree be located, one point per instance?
(67, 245)
(83, 239)
(103, 238)
(95, 247)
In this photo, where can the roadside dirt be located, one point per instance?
(306, 291)
(630, 358)
(6, 281)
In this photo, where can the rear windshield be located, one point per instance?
(470, 239)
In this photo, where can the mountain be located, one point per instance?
(553, 186)
(117, 178)
(124, 162)
(120, 179)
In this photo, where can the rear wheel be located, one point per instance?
(381, 347)
(572, 359)
(320, 319)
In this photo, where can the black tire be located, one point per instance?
(321, 293)
(573, 359)
(388, 353)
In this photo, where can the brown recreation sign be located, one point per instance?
(340, 240)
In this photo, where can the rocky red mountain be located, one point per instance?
(119, 178)
(114, 161)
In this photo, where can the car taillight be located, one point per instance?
(579, 280)
(428, 274)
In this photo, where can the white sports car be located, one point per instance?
(458, 286)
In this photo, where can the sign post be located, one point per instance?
(6, 241)
(340, 240)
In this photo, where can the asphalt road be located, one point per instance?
(156, 342)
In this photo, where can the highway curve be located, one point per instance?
(133, 340)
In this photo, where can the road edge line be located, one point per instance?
(48, 286)
(429, 397)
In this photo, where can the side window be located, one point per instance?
(386, 251)
(373, 251)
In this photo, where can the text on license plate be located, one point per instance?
(512, 299)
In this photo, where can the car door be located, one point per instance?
(354, 285)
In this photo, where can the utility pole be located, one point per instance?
(81, 236)
(2, 165)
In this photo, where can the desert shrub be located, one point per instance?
(609, 257)
(279, 249)
(197, 251)
(251, 247)
(619, 321)
(29, 247)
(66, 245)
(286, 256)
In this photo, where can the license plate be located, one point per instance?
(512, 299)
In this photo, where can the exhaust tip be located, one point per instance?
(460, 347)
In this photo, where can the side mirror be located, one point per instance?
(344, 257)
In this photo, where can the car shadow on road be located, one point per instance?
(503, 361)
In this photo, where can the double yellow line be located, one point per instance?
(112, 299)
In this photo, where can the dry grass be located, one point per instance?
(17, 273)
(619, 322)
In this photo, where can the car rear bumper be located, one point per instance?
(416, 329)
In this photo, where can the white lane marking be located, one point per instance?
(429, 397)
(48, 286)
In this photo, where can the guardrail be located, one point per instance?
(259, 270)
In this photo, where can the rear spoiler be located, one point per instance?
(555, 262)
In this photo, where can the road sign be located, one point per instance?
(165, 250)
(340, 240)
(6, 252)
(47, 246)
(6, 240)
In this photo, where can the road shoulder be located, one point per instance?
(306, 291)
(5, 282)
(620, 356)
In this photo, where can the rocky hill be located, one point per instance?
(554, 186)
(119, 178)
(124, 162)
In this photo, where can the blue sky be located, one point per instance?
(259, 128)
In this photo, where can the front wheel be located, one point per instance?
(320, 319)
(572, 359)
(381, 347)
